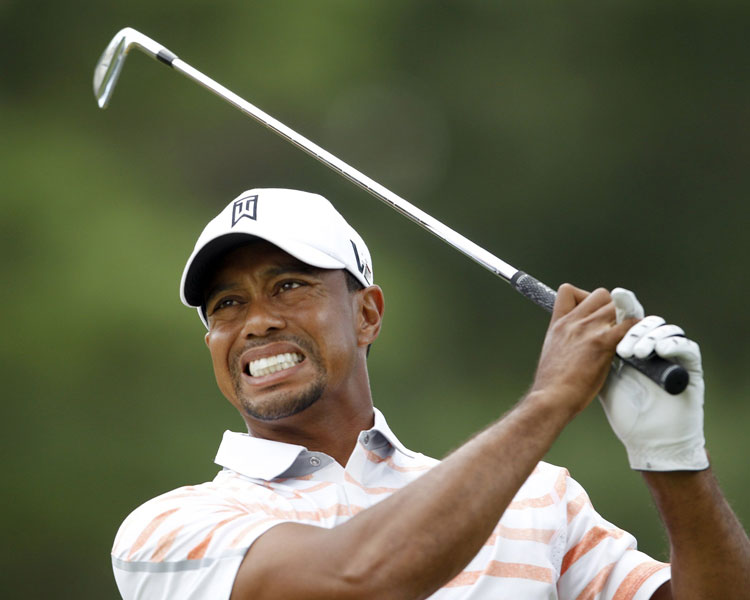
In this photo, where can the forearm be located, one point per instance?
(710, 551)
(425, 534)
(448, 514)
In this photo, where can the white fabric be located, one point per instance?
(305, 225)
(550, 543)
(627, 305)
(660, 431)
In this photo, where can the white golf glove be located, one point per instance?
(660, 431)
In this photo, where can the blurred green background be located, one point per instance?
(598, 143)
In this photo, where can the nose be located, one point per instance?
(261, 318)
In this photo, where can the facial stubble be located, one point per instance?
(280, 404)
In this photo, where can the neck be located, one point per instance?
(330, 426)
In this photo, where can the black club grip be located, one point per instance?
(670, 376)
(539, 293)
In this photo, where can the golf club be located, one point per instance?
(672, 377)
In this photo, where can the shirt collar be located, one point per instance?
(381, 427)
(265, 459)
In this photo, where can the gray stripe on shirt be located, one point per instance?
(167, 567)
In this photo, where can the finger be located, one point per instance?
(636, 332)
(682, 350)
(626, 305)
(605, 312)
(594, 302)
(617, 331)
(645, 346)
(568, 297)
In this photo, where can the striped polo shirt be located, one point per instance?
(549, 543)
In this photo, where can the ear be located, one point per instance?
(208, 335)
(370, 309)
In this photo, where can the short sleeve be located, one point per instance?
(189, 543)
(601, 560)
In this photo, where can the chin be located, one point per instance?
(282, 404)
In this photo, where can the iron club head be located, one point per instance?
(110, 63)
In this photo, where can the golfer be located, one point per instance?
(320, 500)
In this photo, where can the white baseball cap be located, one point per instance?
(305, 225)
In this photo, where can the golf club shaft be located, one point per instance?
(458, 241)
(670, 376)
(528, 286)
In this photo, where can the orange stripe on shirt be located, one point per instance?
(388, 460)
(298, 494)
(539, 502)
(245, 530)
(164, 544)
(596, 584)
(464, 578)
(592, 538)
(148, 531)
(512, 533)
(520, 571)
(369, 490)
(199, 551)
(338, 508)
(634, 580)
(561, 484)
(335, 510)
(576, 505)
(496, 568)
(313, 488)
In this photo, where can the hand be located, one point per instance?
(661, 432)
(578, 348)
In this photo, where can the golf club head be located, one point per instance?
(110, 63)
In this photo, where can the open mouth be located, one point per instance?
(273, 364)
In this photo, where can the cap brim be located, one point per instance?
(201, 266)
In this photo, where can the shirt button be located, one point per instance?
(314, 461)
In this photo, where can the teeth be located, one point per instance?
(272, 364)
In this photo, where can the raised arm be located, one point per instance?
(418, 539)
(710, 551)
(663, 435)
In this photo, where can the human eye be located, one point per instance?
(289, 284)
(224, 303)
(285, 286)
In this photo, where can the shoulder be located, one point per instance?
(183, 523)
(547, 485)
(189, 542)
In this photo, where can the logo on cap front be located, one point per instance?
(244, 207)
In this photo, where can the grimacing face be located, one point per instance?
(282, 334)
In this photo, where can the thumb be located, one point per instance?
(626, 305)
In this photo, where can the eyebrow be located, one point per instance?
(291, 267)
(274, 271)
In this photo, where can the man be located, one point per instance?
(321, 500)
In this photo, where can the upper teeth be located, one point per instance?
(271, 364)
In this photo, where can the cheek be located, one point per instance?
(340, 343)
(218, 347)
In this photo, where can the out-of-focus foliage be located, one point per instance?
(598, 143)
